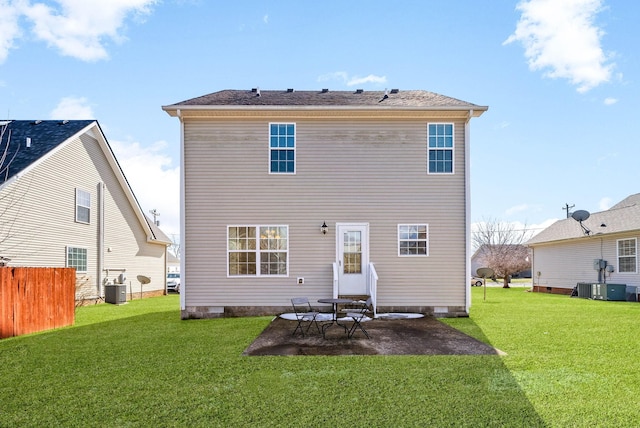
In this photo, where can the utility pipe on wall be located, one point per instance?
(99, 279)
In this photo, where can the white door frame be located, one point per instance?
(352, 284)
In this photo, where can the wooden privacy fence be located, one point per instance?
(35, 299)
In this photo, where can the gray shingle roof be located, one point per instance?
(44, 136)
(622, 217)
(327, 98)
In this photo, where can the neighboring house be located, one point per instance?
(173, 263)
(324, 194)
(64, 201)
(604, 250)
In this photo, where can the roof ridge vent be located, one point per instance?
(256, 91)
(290, 90)
(37, 122)
(325, 90)
(395, 91)
(359, 91)
(64, 122)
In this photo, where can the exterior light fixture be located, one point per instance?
(324, 228)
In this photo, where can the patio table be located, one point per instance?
(334, 319)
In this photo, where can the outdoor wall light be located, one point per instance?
(324, 228)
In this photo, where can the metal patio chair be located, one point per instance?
(304, 313)
(358, 315)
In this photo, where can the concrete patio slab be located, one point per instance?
(419, 336)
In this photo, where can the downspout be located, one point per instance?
(183, 246)
(467, 196)
(100, 238)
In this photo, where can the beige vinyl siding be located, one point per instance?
(39, 221)
(563, 264)
(346, 171)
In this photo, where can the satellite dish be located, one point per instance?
(485, 272)
(580, 215)
(143, 279)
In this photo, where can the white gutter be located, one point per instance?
(183, 243)
(467, 214)
(100, 238)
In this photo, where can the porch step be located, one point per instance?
(355, 297)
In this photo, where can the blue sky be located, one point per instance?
(560, 79)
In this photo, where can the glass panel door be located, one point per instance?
(352, 253)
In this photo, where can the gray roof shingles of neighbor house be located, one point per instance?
(26, 141)
(330, 99)
(622, 217)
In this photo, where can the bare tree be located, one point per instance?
(174, 247)
(5, 157)
(500, 246)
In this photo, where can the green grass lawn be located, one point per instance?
(569, 362)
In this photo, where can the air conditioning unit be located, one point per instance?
(115, 294)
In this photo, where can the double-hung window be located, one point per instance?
(77, 258)
(83, 206)
(413, 239)
(282, 148)
(440, 148)
(258, 250)
(627, 255)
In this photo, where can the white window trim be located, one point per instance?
(398, 239)
(257, 250)
(77, 204)
(66, 257)
(635, 241)
(453, 148)
(295, 149)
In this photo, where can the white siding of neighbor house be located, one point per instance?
(38, 219)
(347, 171)
(563, 264)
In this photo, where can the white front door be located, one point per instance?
(353, 257)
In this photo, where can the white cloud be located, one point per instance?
(355, 80)
(80, 28)
(610, 101)
(155, 182)
(607, 157)
(344, 77)
(9, 28)
(561, 38)
(605, 203)
(265, 19)
(517, 209)
(73, 108)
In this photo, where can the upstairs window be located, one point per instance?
(413, 239)
(282, 148)
(440, 148)
(83, 206)
(627, 256)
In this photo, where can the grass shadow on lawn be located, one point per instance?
(141, 369)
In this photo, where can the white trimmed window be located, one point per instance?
(282, 148)
(413, 239)
(77, 258)
(258, 250)
(440, 148)
(627, 256)
(83, 206)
